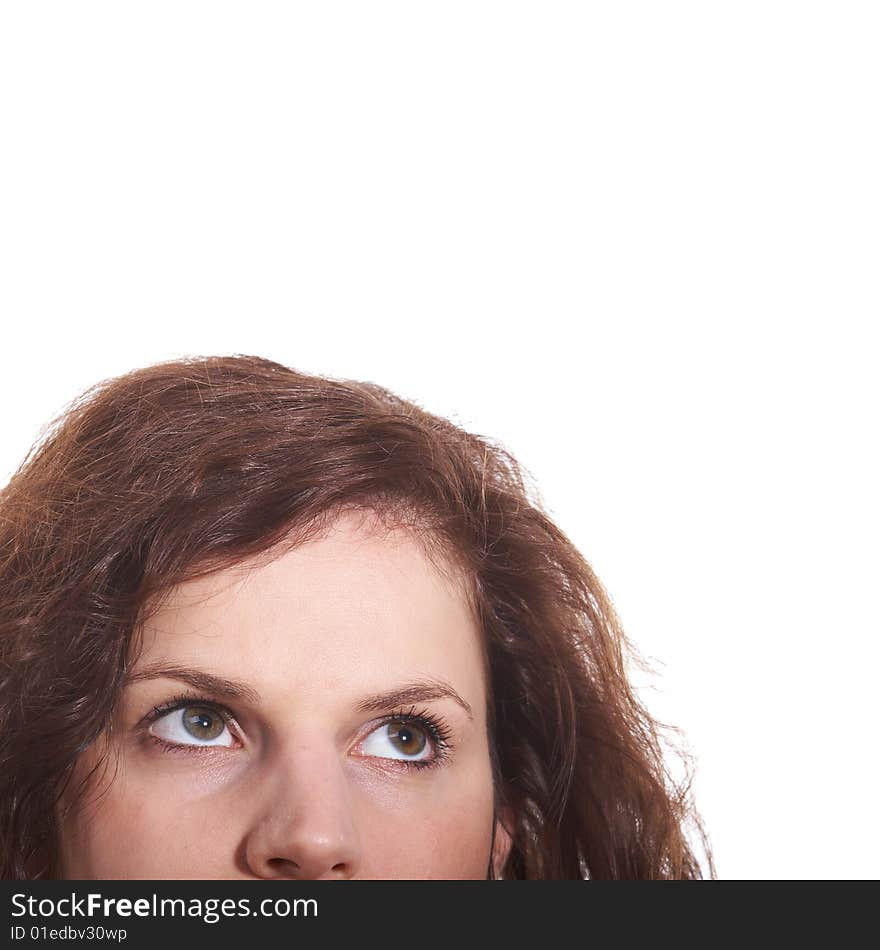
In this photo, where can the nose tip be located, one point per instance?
(306, 829)
(300, 852)
(304, 848)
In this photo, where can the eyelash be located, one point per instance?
(434, 726)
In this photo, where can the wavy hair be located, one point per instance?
(183, 468)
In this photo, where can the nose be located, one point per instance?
(304, 827)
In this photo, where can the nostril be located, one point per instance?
(283, 865)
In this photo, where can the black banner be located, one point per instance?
(524, 913)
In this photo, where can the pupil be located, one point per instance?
(202, 723)
(410, 741)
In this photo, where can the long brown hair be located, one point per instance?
(183, 468)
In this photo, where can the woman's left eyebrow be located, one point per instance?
(419, 692)
(198, 679)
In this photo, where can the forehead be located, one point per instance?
(357, 609)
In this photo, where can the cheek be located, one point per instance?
(443, 831)
(159, 829)
(171, 821)
(404, 835)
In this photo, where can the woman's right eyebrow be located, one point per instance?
(198, 679)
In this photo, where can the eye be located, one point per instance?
(399, 739)
(193, 725)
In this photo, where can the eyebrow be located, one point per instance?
(417, 692)
(207, 682)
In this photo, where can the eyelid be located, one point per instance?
(435, 726)
(181, 702)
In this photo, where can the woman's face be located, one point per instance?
(320, 716)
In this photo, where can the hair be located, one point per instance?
(180, 469)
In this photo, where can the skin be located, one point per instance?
(301, 783)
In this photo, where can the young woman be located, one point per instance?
(261, 624)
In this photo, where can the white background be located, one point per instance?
(637, 243)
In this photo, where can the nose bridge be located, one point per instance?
(306, 826)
